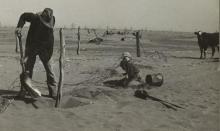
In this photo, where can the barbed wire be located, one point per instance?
(6, 101)
(161, 55)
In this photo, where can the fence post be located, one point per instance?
(78, 36)
(61, 59)
(94, 30)
(137, 35)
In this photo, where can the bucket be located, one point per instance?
(154, 79)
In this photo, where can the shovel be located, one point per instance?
(24, 78)
(144, 95)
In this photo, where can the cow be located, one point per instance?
(206, 40)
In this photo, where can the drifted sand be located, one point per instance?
(89, 105)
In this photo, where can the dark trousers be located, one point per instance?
(45, 57)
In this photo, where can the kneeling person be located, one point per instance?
(131, 71)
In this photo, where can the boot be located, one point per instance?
(52, 93)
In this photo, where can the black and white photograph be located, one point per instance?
(109, 65)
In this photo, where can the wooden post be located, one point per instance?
(78, 47)
(95, 33)
(137, 35)
(61, 59)
(107, 31)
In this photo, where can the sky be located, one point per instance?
(175, 15)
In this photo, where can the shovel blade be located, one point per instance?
(26, 83)
(33, 91)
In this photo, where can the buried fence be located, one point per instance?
(131, 40)
(77, 38)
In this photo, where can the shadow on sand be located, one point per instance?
(186, 57)
(197, 58)
(8, 92)
(216, 60)
(114, 83)
(13, 95)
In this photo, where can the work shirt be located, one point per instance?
(39, 35)
(129, 67)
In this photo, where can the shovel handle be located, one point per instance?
(19, 41)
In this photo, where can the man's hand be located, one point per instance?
(24, 60)
(18, 31)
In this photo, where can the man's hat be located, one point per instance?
(47, 18)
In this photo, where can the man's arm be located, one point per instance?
(54, 21)
(25, 17)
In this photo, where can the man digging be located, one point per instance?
(40, 41)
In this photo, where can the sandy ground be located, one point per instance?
(89, 105)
